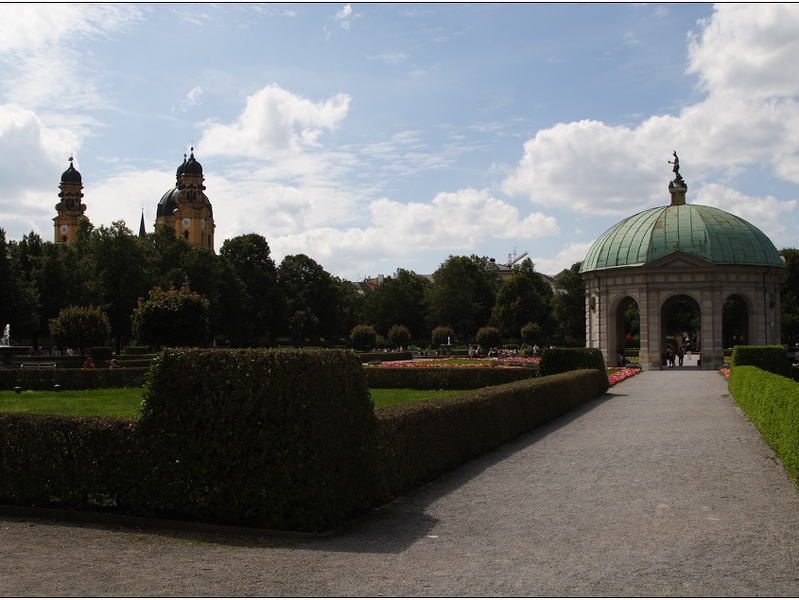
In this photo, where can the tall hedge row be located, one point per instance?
(274, 439)
(422, 440)
(266, 438)
(442, 378)
(773, 359)
(771, 402)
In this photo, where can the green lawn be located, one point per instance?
(127, 402)
(387, 397)
(96, 403)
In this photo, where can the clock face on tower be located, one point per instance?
(64, 229)
(186, 222)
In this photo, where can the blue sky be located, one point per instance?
(373, 137)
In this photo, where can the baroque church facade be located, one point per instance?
(185, 207)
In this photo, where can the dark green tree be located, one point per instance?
(789, 297)
(262, 302)
(118, 277)
(18, 307)
(80, 327)
(525, 297)
(489, 337)
(399, 336)
(172, 318)
(400, 298)
(568, 307)
(462, 294)
(312, 299)
(363, 337)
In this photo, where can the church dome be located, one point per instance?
(167, 205)
(192, 167)
(71, 175)
(703, 231)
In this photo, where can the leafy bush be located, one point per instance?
(399, 336)
(173, 317)
(80, 327)
(363, 337)
(279, 439)
(773, 359)
(771, 402)
(562, 360)
(100, 353)
(442, 335)
(531, 333)
(489, 337)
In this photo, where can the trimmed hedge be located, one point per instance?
(273, 439)
(442, 378)
(368, 357)
(773, 359)
(276, 439)
(420, 441)
(771, 402)
(72, 379)
(563, 360)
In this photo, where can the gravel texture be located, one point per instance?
(659, 488)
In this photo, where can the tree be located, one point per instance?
(262, 303)
(525, 297)
(19, 305)
(312, 298)
(116, 263)
(442, 335)
(363, 337)
(789, 297)
(399, 336)
(463, 293)
(80, 327)
(172, 318)
(399, 299)
(488, 337)
(568, 306)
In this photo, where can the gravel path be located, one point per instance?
(660, 487)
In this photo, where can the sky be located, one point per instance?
(374, 137)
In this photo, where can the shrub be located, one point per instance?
(771, 403)
(175, 317)
(442, 378)
(80, 327)
(530, 333)
(363, 337)
(773, 359)
(489, 337)
(399, 336)
(278, 439)
(562, 360)
(442, 335)
(100, 353)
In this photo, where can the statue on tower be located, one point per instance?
(676, 168)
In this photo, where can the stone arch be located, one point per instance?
(677, 330)
(617, 327)
(737, 320)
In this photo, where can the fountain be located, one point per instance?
(7, 351)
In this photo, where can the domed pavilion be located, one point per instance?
(688, 258)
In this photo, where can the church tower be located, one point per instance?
(186, 208)
(70, 209)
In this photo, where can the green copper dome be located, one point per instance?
(702, 231)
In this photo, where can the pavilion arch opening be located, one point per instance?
(681, 327)
(735, 317)
(627, 331)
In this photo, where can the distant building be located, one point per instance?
(70, 209)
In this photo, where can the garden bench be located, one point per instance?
(37, 366)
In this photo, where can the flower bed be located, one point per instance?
(725, 371)
(620, 374)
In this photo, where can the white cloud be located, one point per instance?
(745, 57)
(766, 213)
(343, 16)
(193, 98)
(275, 122)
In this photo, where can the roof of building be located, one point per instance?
(706, 232)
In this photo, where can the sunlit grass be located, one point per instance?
(387, 397)
(120, 402)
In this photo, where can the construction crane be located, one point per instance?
(513, 259)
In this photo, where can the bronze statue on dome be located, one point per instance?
(676, 169)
